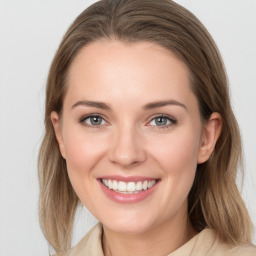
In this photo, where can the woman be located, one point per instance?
(140, 130)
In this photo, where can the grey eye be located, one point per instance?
(160, 121)
(95, 120)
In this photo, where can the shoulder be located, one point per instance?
(239, 250)
(90, 244)
(209, 244)
(244, 250)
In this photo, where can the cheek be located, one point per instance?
(82, 148)
(177, 153)
(177, 157)
(83, 152)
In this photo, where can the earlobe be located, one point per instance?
(57, 129)
(211, 132)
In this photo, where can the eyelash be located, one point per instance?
(172, 121)
(84, 118)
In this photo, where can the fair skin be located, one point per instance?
(130, 115)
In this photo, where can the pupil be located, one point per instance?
(95, 120)
(161, 121)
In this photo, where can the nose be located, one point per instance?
(127, 148)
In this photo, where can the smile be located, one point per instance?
(129, 190)
(128, 187)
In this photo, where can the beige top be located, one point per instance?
(204, 244)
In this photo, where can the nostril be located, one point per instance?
(127, 158)
(126, 148)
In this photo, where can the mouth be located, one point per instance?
(129, 187)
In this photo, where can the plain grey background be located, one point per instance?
(30, 32)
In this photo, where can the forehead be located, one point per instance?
(117, 69)
(106, 53)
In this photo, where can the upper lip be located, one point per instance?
(127, 178)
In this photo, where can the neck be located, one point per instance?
(166, 238)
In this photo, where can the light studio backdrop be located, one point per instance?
(30, 32)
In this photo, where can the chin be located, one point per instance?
(128, 224)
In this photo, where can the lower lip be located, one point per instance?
(127, 198)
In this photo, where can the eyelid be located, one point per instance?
(92, 115)
(84, 117)
(170, 118)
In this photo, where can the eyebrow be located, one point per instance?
(149, 106)
(159, 104)
(94, 104)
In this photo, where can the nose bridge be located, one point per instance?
(127, 148)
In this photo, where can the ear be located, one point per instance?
(211, 132)
(58, 133)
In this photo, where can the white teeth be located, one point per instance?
(115, 185)
(151, 183)
(131, 187)
(145, 185)
(110, 184)
(139, 186)
(121, 186)
(128, 187)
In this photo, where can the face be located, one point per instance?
(131, 134)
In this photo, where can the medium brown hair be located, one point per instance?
(214, 200)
